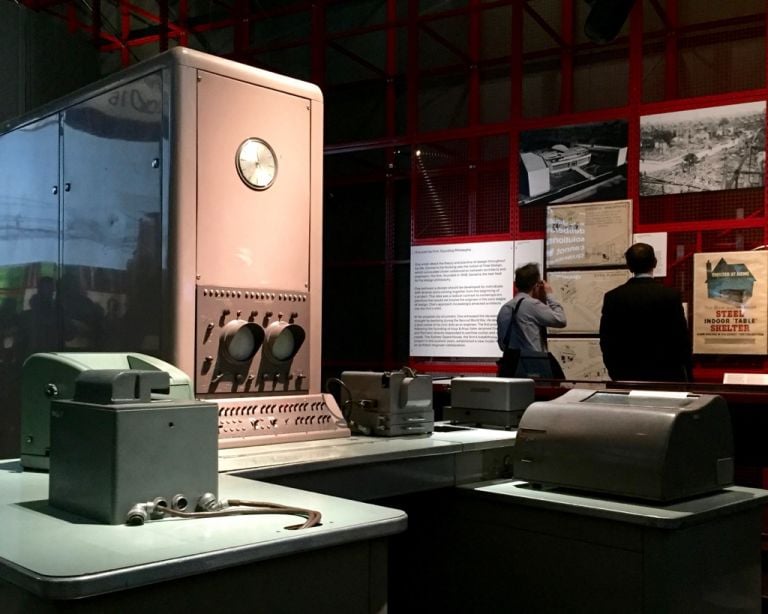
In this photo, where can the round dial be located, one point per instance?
(256, 164)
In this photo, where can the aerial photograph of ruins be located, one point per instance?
(718, 148)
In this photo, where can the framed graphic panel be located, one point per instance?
(573, 163)
(588, 234)
(701, 150)
(658, 241)
(580, 358)
(581, 294)
(456, 292)
(730, 303)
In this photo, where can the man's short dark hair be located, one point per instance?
(527, 276)
(640, 258)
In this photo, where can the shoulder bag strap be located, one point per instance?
(518, 305)
(509, 326)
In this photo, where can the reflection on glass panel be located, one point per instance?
(29, 242)
(110, 283)
(29, 252)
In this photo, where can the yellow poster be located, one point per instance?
(730, 303)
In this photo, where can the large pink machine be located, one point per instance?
(175, 209)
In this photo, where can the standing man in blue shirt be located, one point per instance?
(522, 321)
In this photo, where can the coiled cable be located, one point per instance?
(140, 512)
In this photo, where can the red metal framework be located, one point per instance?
(422, 94)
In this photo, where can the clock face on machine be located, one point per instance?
(256, 163)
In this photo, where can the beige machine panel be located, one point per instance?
(254, 213)
(251, 341)
(252, 238)
(250, 421)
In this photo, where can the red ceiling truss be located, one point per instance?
(135, 24)
(668, 33)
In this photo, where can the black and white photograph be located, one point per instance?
(573, 163)
(701, 150)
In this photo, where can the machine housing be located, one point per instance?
(389, 403)
(51, 376)
(643, 444)
(113, 448)
(491, 401)
(172, 209)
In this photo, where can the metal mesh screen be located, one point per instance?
(730, 240)
(441, 206)
(493, 202)
(698, 206)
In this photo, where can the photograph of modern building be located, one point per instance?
(574, 163)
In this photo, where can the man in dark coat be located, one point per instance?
(643, 331)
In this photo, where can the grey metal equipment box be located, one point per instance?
(112, 448)
(52, 375)
(492, 401)
(650, 445)
(390, 403)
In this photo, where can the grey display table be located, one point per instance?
(54, 561)
(368, 468)
(558, 551)
(415, 473)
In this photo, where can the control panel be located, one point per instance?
(251, 421)
(252, 341)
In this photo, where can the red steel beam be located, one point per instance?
(412, 105)
(473, 112)
(635, 99)
(183, 23)
(390, 197)
(391, 69)
(566, 57)
(765, 183)
(516, 112)
(412, 70)
(181, 33)
(671, 80)
(474, 64)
